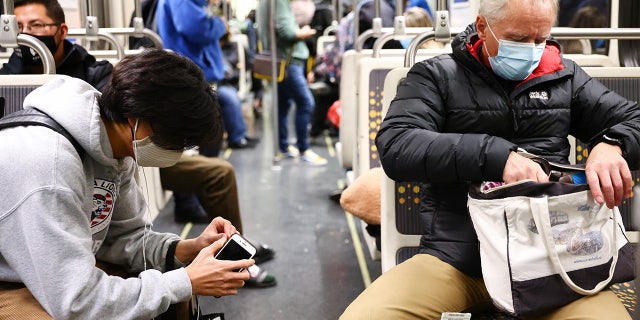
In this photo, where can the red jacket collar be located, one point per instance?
(550, 62)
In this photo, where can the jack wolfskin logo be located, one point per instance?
(542, 95)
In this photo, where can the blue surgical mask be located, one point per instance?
(515, 60)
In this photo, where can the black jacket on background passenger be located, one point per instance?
(453, 122)
(77, 63)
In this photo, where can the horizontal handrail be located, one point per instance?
(358, 45)
(557, 33)
(102, 34)
(380, 42)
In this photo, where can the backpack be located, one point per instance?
(35, 117)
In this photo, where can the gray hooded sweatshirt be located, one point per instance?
(58, 214)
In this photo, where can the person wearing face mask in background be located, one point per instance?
(45, 20)
(67, 214)
(458, 118)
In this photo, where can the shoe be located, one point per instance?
(254, 140)
(264, 253)
(193, 215)
(259, 278)
(292, 152)
(243, 143)
(313, 158)
(336, 195)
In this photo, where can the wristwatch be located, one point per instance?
(612, 141)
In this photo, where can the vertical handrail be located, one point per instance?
(8, 7)
(274, 79)
(138, 21)
(334, 11)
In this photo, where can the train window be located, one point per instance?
(585, 14)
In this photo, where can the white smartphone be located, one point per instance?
(236, 248)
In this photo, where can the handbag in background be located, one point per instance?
(544, 245)
(262, 67)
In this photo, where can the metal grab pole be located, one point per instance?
(138, 21)
(274, 79)
(48, 63)
(101, 34)
(556, 33)
(377, 46)
(358, 45)
(8, 6)
(153, 36)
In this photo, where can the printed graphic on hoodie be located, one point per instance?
(102, 204)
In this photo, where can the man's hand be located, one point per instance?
(218, 228)
(520, 168)
(188, 249)
(212, 277)
(608, 175)
(305, 32)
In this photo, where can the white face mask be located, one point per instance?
(148, 154)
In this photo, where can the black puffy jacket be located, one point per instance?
(77, 63)
(452, 123)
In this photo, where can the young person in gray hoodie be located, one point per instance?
(63, 209)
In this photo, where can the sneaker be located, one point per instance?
(313, 158)
(292, 152)
(259, 278)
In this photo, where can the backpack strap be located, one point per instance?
(35, 117)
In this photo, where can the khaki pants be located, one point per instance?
(213, 180)
(424, 287)
(17, 302)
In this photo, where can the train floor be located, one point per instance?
(321, 262)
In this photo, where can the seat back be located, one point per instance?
(371, 73)
(244, 81)
(14, 88)
(322, 43)
(400, 223)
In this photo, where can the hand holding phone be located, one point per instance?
(236, 248)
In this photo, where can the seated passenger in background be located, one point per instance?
(416, 17)
(437, 136)
(54, 227)
(45, 20)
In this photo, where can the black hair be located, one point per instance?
(168, 91)
(54, 9)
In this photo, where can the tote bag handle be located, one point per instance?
(540, 211)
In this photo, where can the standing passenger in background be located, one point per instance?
(45, 20)
(290, 41)
(193, 29)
